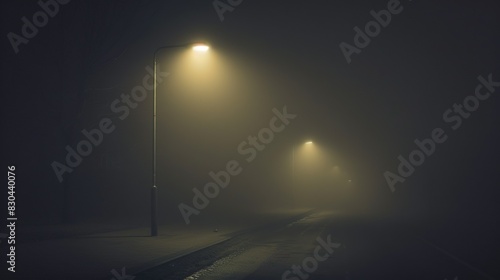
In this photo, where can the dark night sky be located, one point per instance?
(264, 55)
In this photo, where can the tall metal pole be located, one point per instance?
(293, 166)
(154, 189)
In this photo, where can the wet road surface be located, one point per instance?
(321, 245)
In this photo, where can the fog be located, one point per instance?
(265, 56)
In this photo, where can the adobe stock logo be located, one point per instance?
(310, 264)
(122, 276)
(372, 29)
(221, 7)
(40, 18)
(250, 149)
(93, 138)
(453, 116)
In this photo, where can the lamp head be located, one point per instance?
(200, 47)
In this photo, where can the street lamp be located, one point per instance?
(336, 170)
(198, 47)
(293, 162)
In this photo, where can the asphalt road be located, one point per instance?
(322, 245)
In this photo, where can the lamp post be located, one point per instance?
(293, 162)
(294, 185)
(199, 47)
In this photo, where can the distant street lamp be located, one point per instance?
(293, 162)
(198, 47)
(336, 168)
